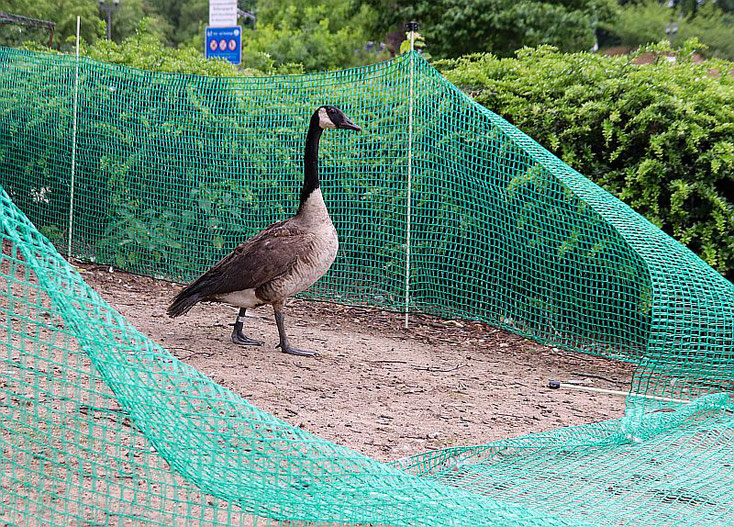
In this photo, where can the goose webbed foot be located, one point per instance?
(240, 338)
(285, 345)
(295, 351)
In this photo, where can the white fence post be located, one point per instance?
(73, 140)
(411, 34)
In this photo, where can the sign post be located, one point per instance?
(223, 37)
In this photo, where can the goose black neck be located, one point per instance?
(311, 160)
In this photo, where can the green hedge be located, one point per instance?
(660, 136)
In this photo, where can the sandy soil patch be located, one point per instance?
(376, 387)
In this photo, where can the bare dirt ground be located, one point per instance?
(376, 387)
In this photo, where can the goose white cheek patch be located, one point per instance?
(324, 120)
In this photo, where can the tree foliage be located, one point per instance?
(457, 27)
(645, 22)
(185, 21)
(63, 13)
(125, 20)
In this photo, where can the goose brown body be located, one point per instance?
(284, 259)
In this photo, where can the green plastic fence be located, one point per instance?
(100, 426)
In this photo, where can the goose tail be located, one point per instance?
(184, 301)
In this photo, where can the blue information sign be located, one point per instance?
(224, 43)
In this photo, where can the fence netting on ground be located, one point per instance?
(101, 426)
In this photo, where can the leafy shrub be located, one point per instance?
(145, 50)
(660, 136)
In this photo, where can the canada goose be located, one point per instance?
(280, 261)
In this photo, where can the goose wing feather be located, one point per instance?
(264, 257)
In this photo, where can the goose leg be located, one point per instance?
(285, 345)
(238, 337)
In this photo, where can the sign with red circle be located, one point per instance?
(224, 43)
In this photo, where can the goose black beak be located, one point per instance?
(349, 125)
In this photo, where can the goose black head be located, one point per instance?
(331, 117)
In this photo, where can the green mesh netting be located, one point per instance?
(100, 426)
